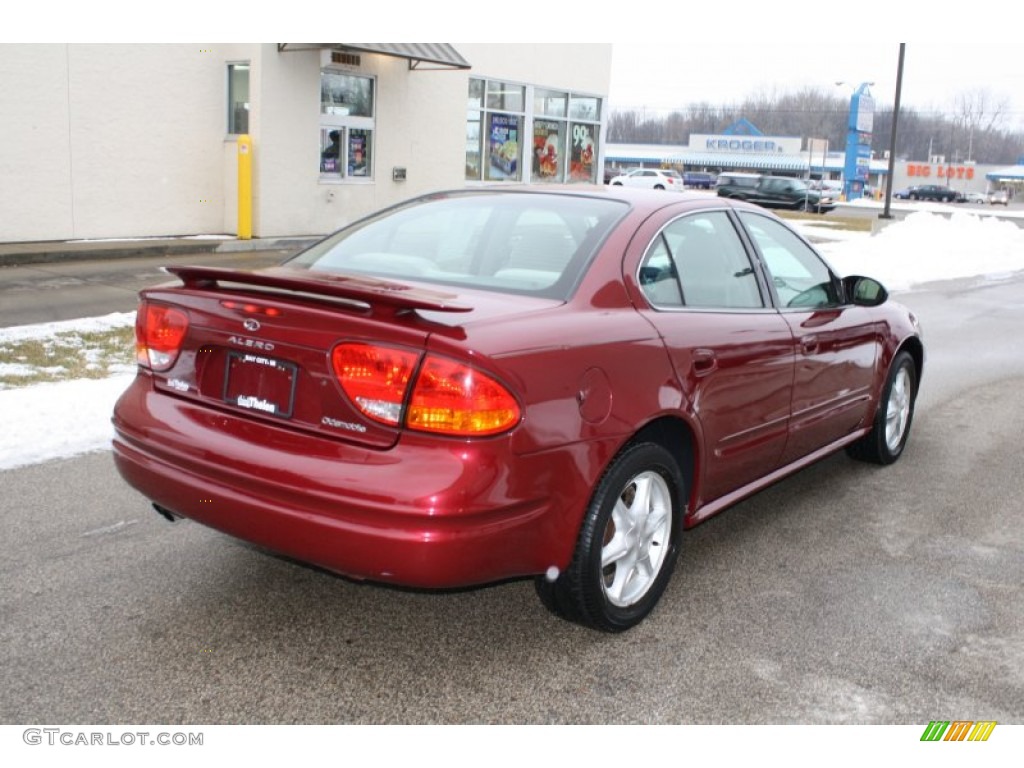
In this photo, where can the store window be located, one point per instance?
(238, 98)
(516, 132)
(583, 153)
(346, 125)
(495, 121)
(549, 135)
(474, 135)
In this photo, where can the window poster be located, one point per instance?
(358, 153)
(583, 155)
(330, 150)
(504, 147)
(546, 155)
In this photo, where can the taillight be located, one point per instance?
(447, 398)
(159, 333)
(454, 399)
(375, 378)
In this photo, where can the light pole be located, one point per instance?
(858, 140)
(887, 211)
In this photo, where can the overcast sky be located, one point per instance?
(660, 77)
(682, 52)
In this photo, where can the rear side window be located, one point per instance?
(699, 261)
(512, 242)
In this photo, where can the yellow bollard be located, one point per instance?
(244, 187)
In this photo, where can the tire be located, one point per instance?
(888, 436)
(659, 186)
(616, 183)
(627, 546)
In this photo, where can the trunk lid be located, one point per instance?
(259, 344)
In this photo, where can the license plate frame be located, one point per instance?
(260, 384)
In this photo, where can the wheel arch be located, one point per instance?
(678, 438)
(915, 349)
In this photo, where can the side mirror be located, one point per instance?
(864, 291)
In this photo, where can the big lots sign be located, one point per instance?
(941, 171)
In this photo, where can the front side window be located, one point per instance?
(238, 98)
(346, 125)
(801, 279)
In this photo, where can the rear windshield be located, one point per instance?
(537, 244)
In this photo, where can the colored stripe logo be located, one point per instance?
(958, 730)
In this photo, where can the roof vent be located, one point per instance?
(350, 59)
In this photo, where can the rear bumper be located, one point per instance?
(425, 513)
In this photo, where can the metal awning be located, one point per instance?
(1010, 173)
(440, 55)
(754, 161)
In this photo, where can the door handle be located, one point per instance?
(704, 362)
(809, 344)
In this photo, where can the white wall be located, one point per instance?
(130, 140)
(420, 125)
(35, 150)
(109, 140)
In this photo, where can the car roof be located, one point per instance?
(642, 201)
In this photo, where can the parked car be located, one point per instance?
(698, 180)
(775, 192)
(936, 192)
(975, 197)
(650, 178)
(999, 197)
(727, 182)
(902, 194)
(833, 189)
(488, 384)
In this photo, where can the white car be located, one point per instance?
(999, 197)
(650, 178)
(975, 197)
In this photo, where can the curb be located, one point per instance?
(20, 254)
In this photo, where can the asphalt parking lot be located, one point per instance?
(845, 594)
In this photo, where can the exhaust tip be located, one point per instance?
(166, 513)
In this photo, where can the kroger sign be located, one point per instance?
(759, 144)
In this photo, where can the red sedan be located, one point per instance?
(488, 384)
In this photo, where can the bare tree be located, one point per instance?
(975, 113)
(973, 132)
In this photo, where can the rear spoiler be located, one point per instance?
(368, 290)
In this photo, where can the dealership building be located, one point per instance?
(101, 141)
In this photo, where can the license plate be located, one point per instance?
(259, 383)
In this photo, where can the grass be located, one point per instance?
(851, 223)
(67, 355)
